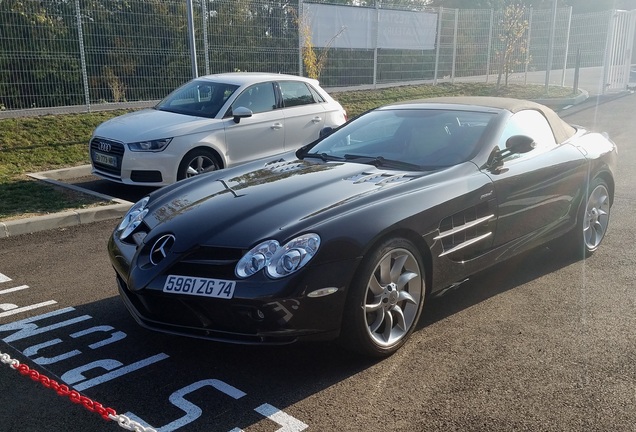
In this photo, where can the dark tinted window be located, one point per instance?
(295, 93)
(424, 137)
(258, 98)
(199, 97)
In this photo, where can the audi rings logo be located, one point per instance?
(103, 146)
(161, 248)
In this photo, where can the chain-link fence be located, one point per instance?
(88, 52)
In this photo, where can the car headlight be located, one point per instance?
(279, 261)
(256, 259)
(133, 218)
(149, 146)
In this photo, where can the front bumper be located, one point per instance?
(135, 168)
(262, 312)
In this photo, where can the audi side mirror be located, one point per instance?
(241, 112)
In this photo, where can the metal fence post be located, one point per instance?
(492, 19)
(375, 44)
(193, 49)
(548, 67)
(439, 42)
(300, 38)
(567, 47)
(80, 37)
(577, 70)
(455, 46)
(525, 79)
(206, 43)
(607, 58)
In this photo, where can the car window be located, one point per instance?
(198, 97)
(317, 96)
(530, 123)
(427, 138)
(258, 98)
(380, 129)
(296, 93)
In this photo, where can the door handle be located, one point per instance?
(316, 119)
(277, 125)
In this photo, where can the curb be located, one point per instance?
(61, 220)
(53, 177)
(70, 217)
(564, 103)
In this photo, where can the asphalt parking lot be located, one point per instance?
(540, 343)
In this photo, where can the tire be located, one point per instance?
(385, 300)
(197, 161)
(591, 225)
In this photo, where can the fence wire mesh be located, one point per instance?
(87, 52)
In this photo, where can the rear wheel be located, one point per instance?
(385, 301)
(591, 225)
(595, 218)
(196, 162)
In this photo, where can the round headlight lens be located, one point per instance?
(291, 260)
(293, 256)
(133, 218)
(256, 259)
(279, 261)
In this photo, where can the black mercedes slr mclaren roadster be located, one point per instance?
(345, 238)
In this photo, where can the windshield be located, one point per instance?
(198, 98)
(423, 138)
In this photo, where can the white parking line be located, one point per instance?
(10, 290)
(12, 309)
(288, 423)
(4, 278)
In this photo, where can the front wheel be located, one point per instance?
(196, 162)
(385, 301)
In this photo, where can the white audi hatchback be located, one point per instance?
(212, 122)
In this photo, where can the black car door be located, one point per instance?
(537, 191)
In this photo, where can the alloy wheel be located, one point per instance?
(393, 297)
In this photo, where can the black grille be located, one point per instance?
(146, 176)
(110, 148)
(209, 261)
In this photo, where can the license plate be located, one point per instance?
(105, 159)
(204, 287)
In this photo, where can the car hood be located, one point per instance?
(266, 200)
(154, 124)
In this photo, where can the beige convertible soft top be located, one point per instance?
(562, 130)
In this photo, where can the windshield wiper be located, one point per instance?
(324, 156)
(380, 161)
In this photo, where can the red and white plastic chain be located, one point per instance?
(74, 396)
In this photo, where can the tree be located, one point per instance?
(313, 62)
(513, 33)
(38, 58)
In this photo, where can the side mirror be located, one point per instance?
(520, 144)
(516, 144)
(241, 112)
(325, 131)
